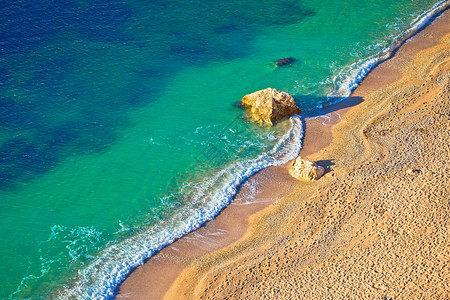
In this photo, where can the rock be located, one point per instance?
(269, 105)
(284, 61)
(305, 170)
(413, 172)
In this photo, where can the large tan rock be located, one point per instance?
(305, 170)
(269, 105)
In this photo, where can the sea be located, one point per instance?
(120, 123)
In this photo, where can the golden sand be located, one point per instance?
(375, 226)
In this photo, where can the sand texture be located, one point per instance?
(376, 226)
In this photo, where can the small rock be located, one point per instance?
(269, 105)
(284, 61)
(330, 174)
(305, 170)
(413, 172)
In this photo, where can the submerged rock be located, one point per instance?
(305, 170)
(269, 105)
(285, 61)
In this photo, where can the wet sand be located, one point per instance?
(263, 248)
(153, 279)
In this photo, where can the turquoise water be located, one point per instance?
(119, 128)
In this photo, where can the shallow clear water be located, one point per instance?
(119, 128)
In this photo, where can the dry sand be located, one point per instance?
(153, 279)
(375, 226)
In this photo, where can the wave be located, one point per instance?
(100, 278)
(349, 77)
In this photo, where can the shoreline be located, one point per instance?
(234, 220)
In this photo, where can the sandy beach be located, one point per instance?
(375, 226)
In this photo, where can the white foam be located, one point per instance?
(349, 77)
(75, 240)
(99, 279)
